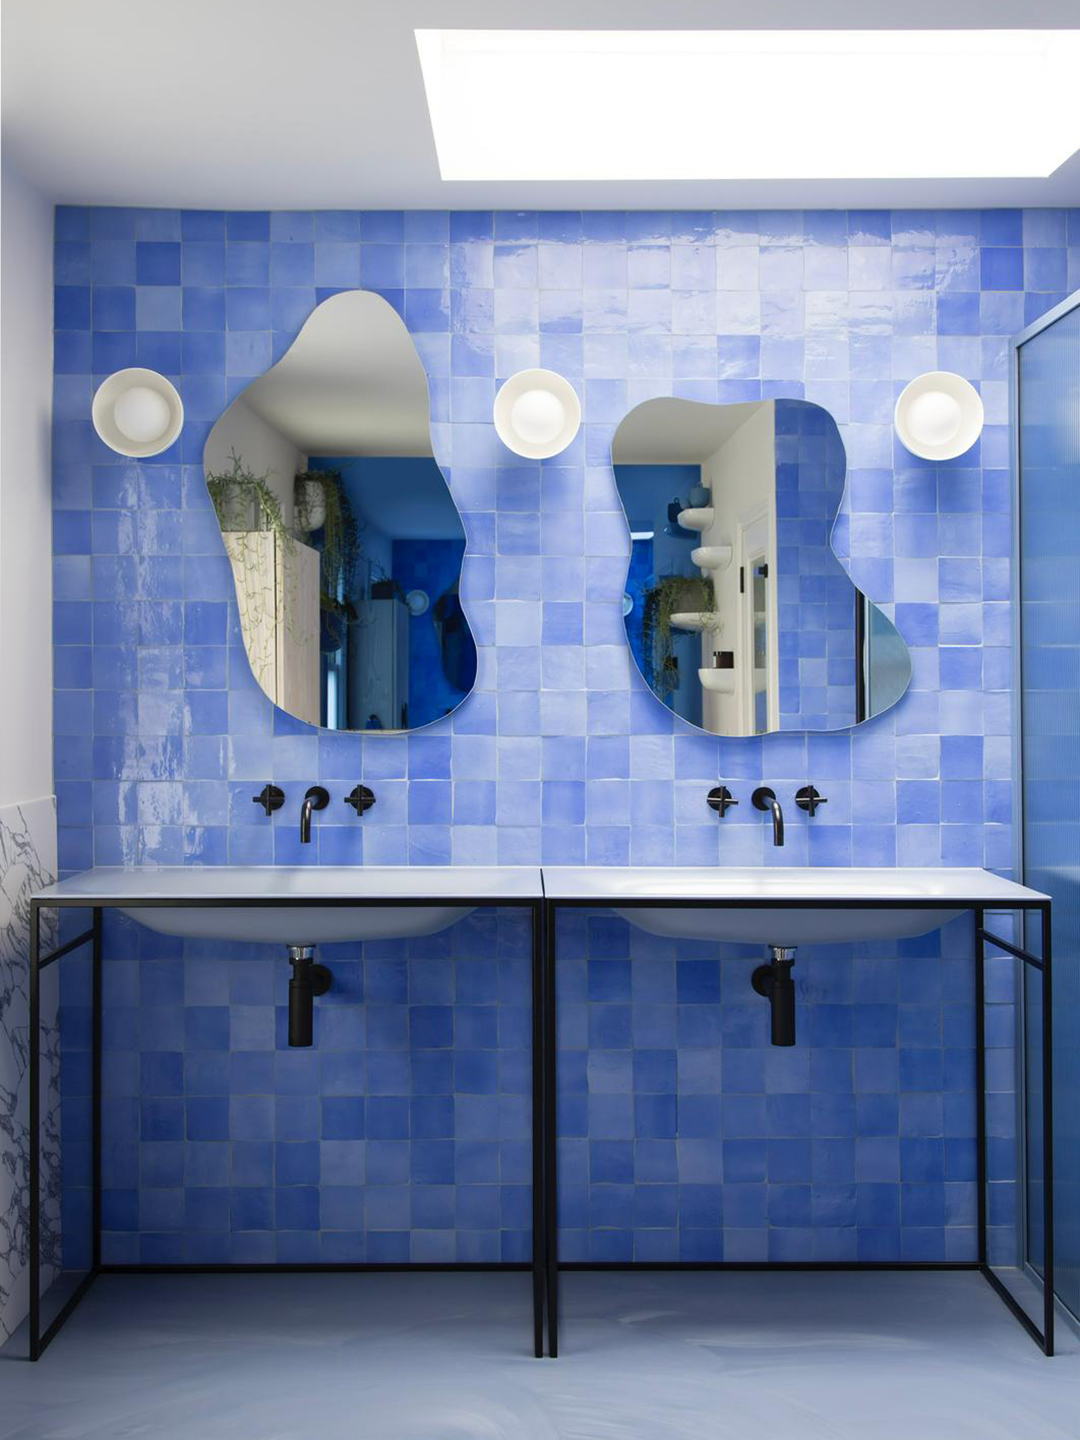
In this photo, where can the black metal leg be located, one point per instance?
(1048, 1134)
(980, 1081)
(95, 1065)
(539, 1235)
(551, 1129)
(35, 1131)
(1043, 1337)
(40, 1339)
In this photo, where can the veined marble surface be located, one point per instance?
(27, 864)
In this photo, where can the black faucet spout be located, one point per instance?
(317, 798)
(765, 799)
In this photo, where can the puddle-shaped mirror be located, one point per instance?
(345, 544)
(739, 614)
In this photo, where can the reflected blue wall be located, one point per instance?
(646, 491)
(442, 658)
(395, 498)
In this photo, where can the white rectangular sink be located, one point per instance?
(785, 905)
(318, 911)
(769, 905)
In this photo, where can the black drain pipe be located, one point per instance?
(775, 983)
(308, 980)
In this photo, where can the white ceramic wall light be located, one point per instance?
(939, 415)
(537, 414)
(137, 412)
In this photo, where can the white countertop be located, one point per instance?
(107, 884)
(768, 883)
(597, 883)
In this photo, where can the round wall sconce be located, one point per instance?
(939, 415)
(537, 414)
(137, 412)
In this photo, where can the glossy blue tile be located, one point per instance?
(157, 262)
(71, 307)
(203, 307)
(561, 549)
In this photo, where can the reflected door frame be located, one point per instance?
(756, 546)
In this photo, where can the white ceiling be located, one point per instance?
(677, 432)
(252, 104)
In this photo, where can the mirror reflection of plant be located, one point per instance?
(340, 544)
(672, 594)
(231, 491)
(246, 510)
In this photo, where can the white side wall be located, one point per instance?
(26, 222)
(27, 809)
(264, 451)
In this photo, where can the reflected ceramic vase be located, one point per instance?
(309, 506)
(238, 509)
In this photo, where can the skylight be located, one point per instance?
(752, 104)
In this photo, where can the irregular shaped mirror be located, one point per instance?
(345, 544)
(738, 612)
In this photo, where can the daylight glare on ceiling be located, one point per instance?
(782, 104)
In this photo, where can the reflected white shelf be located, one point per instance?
(695, 620)
(698, 518)
(720, 682)
(711, 557)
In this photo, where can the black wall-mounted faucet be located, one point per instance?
(361, 798)
(765, 799)
(720, 799)
(809, 799)
(271, 798)
(316, 799)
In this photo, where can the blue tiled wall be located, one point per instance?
(685, 1136)
(403, 1134)
(561, 754)
(161, 730)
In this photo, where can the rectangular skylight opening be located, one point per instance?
(751, 104)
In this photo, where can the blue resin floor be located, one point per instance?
(446, 1357)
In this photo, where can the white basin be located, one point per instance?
(756, 905)
(785, 905)
(297, 924)
(788, 926)
(326, 903)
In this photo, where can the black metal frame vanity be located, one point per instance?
(544, 1265)
(1040, 964)
(39, 1339)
